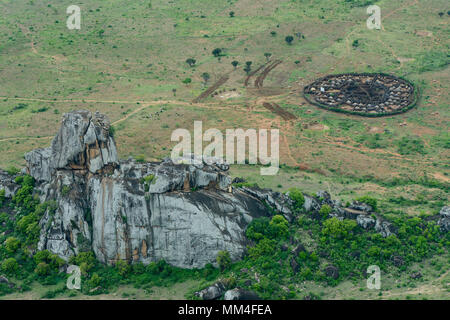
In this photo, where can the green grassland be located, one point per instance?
(129, 62)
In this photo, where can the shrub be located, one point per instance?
(122, 267)
(338, 229)
(298, 198)
(2, 196)
(265, 247)
(12, 244)
(368, 200)
(85, 260)
(52, 260)
(12, 171)
(94, 281)
(10, 266)
(279, 227)
(223, 260)
(217, 52)
(42, 269)
(325, 210)
(289, 39)
(257, 229)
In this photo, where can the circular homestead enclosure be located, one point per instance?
(365, 94)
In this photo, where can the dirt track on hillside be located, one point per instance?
(211, 89)
(275, 108)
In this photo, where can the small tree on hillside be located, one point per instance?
(205, 77)
(289, 39)
(231, 14)
(191, 62)
(234, 64)
(223, 260)
(217, 52)
(267, 55)
(248, 68)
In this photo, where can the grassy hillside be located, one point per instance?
(129, 62)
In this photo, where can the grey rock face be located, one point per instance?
(281, 202)
(212, 292)
(82, 142)
(365, 222)
(311, 204)
(361, 206)
(7, 183)
(445, 212)
(444, 221)
(123, 210)
(240, 294)
(384, 228)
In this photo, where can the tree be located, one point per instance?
(441, 14)
(325, 210)
(12, 244)
(289, 39)
(187, 81)
(232, 14)
(267, 55)
(355, 43)
(191, 62)
(279, 227)
(122, 267)
(298, 198)
(273, 33)
(368, 200)
(248, 65)
(223, 260)
(2, 196)
(10, 266)
(42, 269)
(217, 52)
(234, 64)
(205, 76)
(94, 281)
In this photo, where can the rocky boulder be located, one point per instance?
(444, 219)
(212, 292)
(7, 183)
(240, 294)
(184, 213)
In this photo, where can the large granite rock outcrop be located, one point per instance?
(182, 213)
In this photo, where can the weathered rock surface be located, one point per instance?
(123, 210)
(212, 292)
(444, 220)
(240, 294)
(82, 143)
(7, 183)
(184, 213)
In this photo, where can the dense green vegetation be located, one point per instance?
(277, 252)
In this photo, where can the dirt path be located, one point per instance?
(275, 108)
(260, 79)
(251, 74)
(211, 89)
